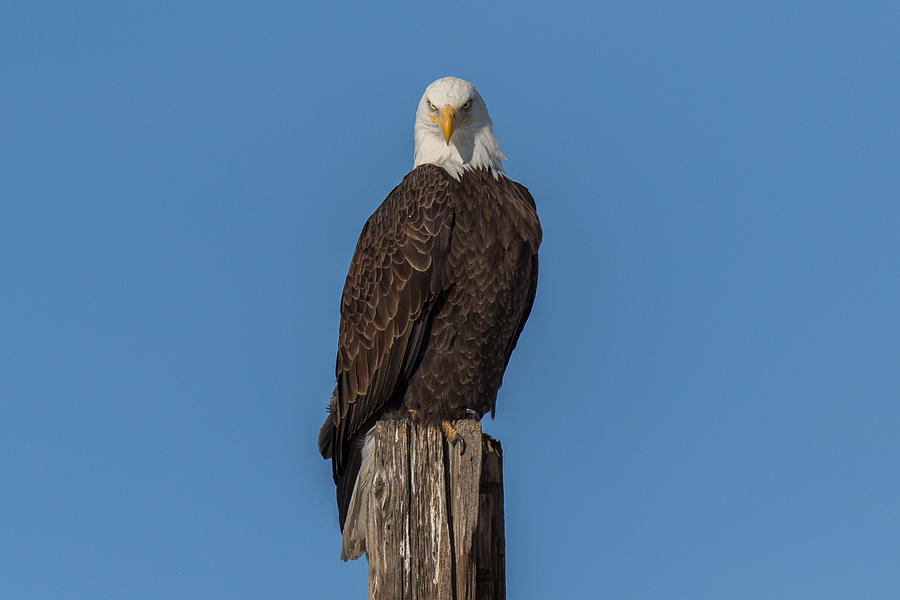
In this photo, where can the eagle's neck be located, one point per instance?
(468, 149)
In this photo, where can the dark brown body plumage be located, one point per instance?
(439, 288)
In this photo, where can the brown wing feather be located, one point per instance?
(394, 278)
(534, 242)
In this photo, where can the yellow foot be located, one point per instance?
(453, 436)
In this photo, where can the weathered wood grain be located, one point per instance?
(387, 534)
(490, 536)
(429, 509)
(465, 473)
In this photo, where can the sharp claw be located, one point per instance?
(472, 414)
(453, 436)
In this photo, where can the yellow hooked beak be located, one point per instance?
(448, 122)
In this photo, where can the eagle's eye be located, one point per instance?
(467, 105)
(431, 106)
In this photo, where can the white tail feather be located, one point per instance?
(353, 543)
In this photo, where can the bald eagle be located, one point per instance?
(439, 288)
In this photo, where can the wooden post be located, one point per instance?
(435, 517)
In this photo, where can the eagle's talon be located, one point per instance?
(472, 414)
(453, 436)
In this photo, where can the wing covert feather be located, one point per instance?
(394, 277)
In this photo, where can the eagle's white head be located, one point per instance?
(453, 129)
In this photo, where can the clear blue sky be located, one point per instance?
(703, 405)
